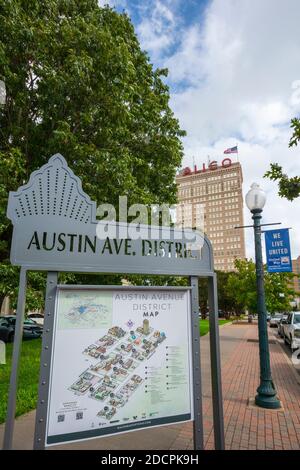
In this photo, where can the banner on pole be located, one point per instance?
(278, 251)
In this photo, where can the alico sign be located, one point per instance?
(213, 165)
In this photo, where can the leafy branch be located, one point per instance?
(288, 187)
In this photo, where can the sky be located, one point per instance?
(234, 78)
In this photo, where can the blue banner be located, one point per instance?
(278, 251)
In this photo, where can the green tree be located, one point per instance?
(289, 187)
(242, 284)
(295, 125)
(227, 301)
(78, 83)
(203, 297)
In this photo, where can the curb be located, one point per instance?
(226, 324)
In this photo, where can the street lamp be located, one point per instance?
(266, 392)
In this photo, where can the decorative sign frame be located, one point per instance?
(55, 230)
(102, 369)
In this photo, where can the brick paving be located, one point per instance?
(247, 426)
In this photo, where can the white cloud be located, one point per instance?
(157, 29)
(237, 76)
(114, 3)
(241, 71)
(102, 3)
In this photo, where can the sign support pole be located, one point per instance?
(197, 386)
(12, 397)
(215, 363)
(41, 411)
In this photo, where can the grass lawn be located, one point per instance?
(204, 326)
(28, 378)
(29, 374)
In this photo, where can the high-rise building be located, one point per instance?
(146, 327)
(296, 270)
(214, 196)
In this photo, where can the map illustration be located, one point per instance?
(113, 375)
(88, 311)
(121, 361)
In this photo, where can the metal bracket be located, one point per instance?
(197, 386)
(45, 367)
(215, 364)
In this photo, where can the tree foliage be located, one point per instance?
(78, 83)
(227, 301)
(289, 187)
(295, 125)
(242, 285)
(203, 296)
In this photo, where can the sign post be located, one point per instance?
(278, 251)
(11, 408)
(56, 230)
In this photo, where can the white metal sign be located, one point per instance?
(55, 229)
(121, 361)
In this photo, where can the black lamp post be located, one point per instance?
(266, 393)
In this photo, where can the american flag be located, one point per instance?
(231, 150)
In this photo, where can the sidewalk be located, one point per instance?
(246, 427)
(250, 427)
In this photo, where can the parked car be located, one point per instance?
(268, 317)
(281, 324)
(275, 319)
(31, 329)
(291, 330)
(37, 317)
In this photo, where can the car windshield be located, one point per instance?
(28, 321)
(297, 318)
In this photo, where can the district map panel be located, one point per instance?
(121, 361)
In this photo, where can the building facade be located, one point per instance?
(211, 200)
(296, 280)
